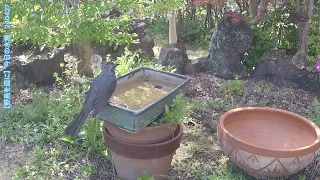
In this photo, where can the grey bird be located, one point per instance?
(98, 96)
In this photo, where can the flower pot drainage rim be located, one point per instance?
(144, 151)
(236, 142)
(147, 135)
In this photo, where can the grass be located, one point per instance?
(39, 125)
(39, 121)
(232, 88)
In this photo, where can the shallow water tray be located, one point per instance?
(141, 96)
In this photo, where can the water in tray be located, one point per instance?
(139, 93)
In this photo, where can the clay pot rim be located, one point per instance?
(149, 145)
(312, 148)
(143, 151)
(147, 128)
(162, 125)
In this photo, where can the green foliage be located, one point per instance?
(145, 176)
(232, 88)
(263, 40)
(285, 27)
(127, 62)
(130, 61)
(45, 24)
(191, 32)
(161, 7)
(277, 29)
(88, 170)
(40, 164)
(194, 32)
(232, 172)
(92, 129)
(159, 29)
(176, 113)
(314, 37)
(40, 123)
(41, 120)
(227, 171)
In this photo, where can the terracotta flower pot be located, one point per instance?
(147, 135)
(267, 142)
(131, 160)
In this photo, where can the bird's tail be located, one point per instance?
(74, 127)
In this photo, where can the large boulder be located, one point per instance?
(37, 69)
(284, 72)
(174, 55)
(228, 42)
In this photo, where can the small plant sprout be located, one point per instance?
(176, 113)
(145, 176)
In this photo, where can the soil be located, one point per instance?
(12, 156)
(199, 150)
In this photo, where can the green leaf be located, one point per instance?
(145, 176)
(116, 46)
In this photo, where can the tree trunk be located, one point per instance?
(208, 20)
(172, 28)
(253, 6)
(300, 59)
(180, 20)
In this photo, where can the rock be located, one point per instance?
(38, 69)
(277, 53)
(146, 42)
(280, 53)
(83, 50)
(107, 49)
(228, 42)
(111, 14)
(174, 55)
(145, 46)
(284, 72)
(195, 66)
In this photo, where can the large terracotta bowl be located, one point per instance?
(268, 142)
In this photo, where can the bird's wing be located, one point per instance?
(103, 95)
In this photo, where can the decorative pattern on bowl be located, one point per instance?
(262, 166)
